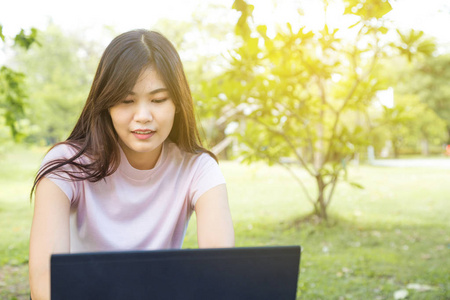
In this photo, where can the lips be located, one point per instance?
(143, 134)
(142, 131)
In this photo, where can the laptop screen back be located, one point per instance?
(232, 273)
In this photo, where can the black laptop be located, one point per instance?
(231, 273)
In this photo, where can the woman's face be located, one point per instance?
(144, 119)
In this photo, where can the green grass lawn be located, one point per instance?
(392, 235)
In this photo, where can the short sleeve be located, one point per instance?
(206, 176)
(59, 176)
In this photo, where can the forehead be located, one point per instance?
(148, 81)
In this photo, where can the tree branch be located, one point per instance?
(349, 96)
(333, 182)
(302, 121)
(288, 141)
(305, 190)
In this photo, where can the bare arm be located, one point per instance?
(49, 234)
(214, 224)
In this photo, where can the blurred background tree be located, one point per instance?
(13, 89)
(59, 75)
(411, 124)
(304, 97)
(430, 82)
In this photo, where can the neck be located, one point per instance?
(142, 161)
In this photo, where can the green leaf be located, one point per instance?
(289, 26)
(1, 33)
(356, 185)
(383, 30)
(427, 47)
(262, 29)
(368, 9)
(383, 7)
(354, 24)
(12, 95)
(242, 27)
(25, 41)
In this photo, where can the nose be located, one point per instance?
(143, 113)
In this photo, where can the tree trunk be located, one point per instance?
(425, 147)
(320, 207)
(395, 147)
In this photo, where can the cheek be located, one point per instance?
(118, 118)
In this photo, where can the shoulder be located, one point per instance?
(204, 159)
(60, 151)
(55, 167)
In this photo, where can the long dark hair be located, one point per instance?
(120, 66)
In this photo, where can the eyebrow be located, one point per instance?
(160, 90)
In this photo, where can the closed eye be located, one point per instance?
(127, 101)
(159, 100)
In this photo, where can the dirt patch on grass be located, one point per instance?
(14, 282)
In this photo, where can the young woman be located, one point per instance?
(133, 169)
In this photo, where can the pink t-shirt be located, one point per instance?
(136, 209)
